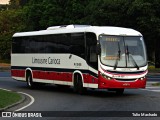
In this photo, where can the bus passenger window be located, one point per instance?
(91, 55)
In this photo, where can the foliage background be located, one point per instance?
(30, 15)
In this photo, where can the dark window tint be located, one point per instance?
(36, 44)
(91, 44)
(29, 44)
(18, 45)
(58, 43)
(77, 45)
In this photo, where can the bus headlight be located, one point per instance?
(142, 78)
(106, 77)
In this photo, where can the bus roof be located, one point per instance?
(107, 30)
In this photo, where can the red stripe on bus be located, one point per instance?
(18, 73)
(61, 76)
(52, 76)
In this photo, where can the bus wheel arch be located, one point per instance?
(78, 82)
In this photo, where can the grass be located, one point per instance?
(156, 84)
(8, 98)
(153, 69)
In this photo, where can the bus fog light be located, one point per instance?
(106, 77)
(142, 78)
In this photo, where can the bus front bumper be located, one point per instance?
(114, 83)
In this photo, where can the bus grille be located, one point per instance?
(125, 79)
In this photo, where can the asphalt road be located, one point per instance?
(52, 98)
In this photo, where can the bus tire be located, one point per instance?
(78, 85)
(29, 80)
(120, 91)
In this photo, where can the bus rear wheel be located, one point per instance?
(29, 80)
(78, 85)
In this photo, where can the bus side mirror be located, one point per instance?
(98, 49)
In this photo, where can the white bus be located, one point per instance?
(81, 56)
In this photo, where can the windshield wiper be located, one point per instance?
(134, 62)
(118, 56)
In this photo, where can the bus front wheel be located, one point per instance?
(78, 85)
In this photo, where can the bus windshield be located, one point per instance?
(123, 51)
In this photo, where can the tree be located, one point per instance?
(15, 4)
(147, 21)
(11, 21)
(142, 15)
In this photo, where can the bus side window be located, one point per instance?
(78, 45)
(91, 56)
(15, 45)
